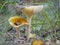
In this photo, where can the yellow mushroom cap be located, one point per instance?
(30, 10)
(37, 42)
(17, 21)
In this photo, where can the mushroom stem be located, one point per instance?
(17, 33)
(28, 28)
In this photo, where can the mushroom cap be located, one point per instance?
(37, 42)
(30, 10)
(17, 21)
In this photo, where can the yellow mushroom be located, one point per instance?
(29, 11)
(16, 22)
(37, 42)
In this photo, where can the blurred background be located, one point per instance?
(45, 24)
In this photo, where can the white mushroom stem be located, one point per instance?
(17, 33)
(28, 28)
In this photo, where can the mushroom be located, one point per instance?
(17, 22)
(37, 42)
(29, 11)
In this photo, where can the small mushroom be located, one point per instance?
(29, 11)
(16, 22)
(37, 42)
